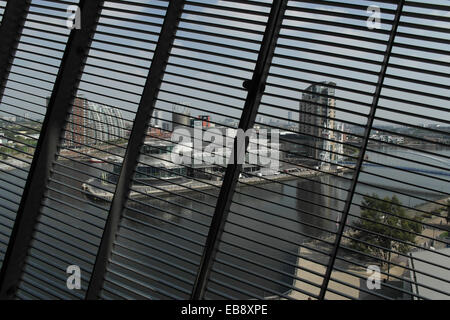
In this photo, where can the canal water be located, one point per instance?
(261, 237)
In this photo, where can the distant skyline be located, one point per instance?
(297, 63)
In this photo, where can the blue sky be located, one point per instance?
(224, 93)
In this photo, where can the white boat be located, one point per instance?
(96, 160)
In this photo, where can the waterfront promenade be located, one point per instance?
(354, 276)
(198, 184)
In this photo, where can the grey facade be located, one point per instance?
(316, 115)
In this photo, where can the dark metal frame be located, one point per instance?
(255, 89)
(10, 30)
(368, 129)
(137, 137)
(59, 106)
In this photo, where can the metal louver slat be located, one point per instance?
(267, 226)
(194, 58)
(136, 136)
(98, 124)
(2, 9)
(17, 153)
(221, 150)
(46, 146)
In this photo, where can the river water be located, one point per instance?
(261, 237)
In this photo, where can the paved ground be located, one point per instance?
(439, 223)
(349, 284)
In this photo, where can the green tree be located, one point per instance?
(448, 211)
(387, 223)
(3, 152)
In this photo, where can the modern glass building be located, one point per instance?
(316, 118)
(91, 123)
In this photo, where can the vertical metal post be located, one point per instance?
(47, 147)
(137, 136)
(10, 30)
(255, 89)
(354, 182)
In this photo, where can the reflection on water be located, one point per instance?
(163, 239)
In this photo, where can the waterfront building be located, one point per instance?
(155, 121)
(426, 271)
(91, 123)
(316, 119)
(181, 116)
(205, 120)
(159, 215)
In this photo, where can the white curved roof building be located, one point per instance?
(91, 123)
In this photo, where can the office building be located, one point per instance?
(316, 118)
(91, 123)
(181, 116)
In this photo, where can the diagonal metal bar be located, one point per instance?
(362, 152)
(10, 30)
(255, 91)
(59, 106)
(137, 136)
